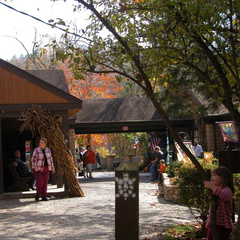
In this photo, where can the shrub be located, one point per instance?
(236, 182)
(192, 191)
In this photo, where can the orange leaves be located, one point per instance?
(93, 86)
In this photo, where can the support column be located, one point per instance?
(72, 142)
(209, 129)
(65, 128)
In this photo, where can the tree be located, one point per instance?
(92, 86)
(191, 43)
(38, 58)
(123, 144)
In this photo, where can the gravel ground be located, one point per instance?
(88, 218)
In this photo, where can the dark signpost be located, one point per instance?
(230, 158)
(126, 202)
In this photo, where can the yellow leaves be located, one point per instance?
(43, 51)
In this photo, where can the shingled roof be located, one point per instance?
(200, 99)
(117, 109)
(115, 114)
(55, 77)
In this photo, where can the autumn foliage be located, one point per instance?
(92, 86)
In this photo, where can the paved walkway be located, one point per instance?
(87, 218)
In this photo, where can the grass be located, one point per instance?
(181, 231)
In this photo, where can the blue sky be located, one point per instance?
(16, 25)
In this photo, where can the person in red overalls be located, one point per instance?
(42, 164)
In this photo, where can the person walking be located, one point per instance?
(222, 187)
(89, 157)
(42, 164)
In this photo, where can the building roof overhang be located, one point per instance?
(32, 90)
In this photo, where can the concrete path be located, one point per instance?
(88, 218)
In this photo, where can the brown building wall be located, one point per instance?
(214, 140)
(17, 90)
(219, 139)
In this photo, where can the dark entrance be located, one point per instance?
(11, 140)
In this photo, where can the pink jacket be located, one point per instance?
(224, 208)
(38, 159)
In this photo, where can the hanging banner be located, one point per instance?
(229, 131)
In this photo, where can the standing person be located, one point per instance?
(89, 157)
(222, 187)
(22, 168)
(42, 164)
(161, 170)
(198, 150)
(81, 152)
(98, 160)
(153, 169)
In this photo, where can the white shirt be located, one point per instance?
(197, 150)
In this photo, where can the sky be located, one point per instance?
(16, 25)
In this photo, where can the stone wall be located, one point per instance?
(171, 192)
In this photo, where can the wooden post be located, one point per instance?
(126, 202)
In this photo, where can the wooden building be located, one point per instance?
(19, 90)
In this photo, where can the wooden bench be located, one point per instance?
(19, 183)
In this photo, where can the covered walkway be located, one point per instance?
(114, 115)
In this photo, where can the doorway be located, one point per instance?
(11, 140)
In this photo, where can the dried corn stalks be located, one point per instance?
(40, 121)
